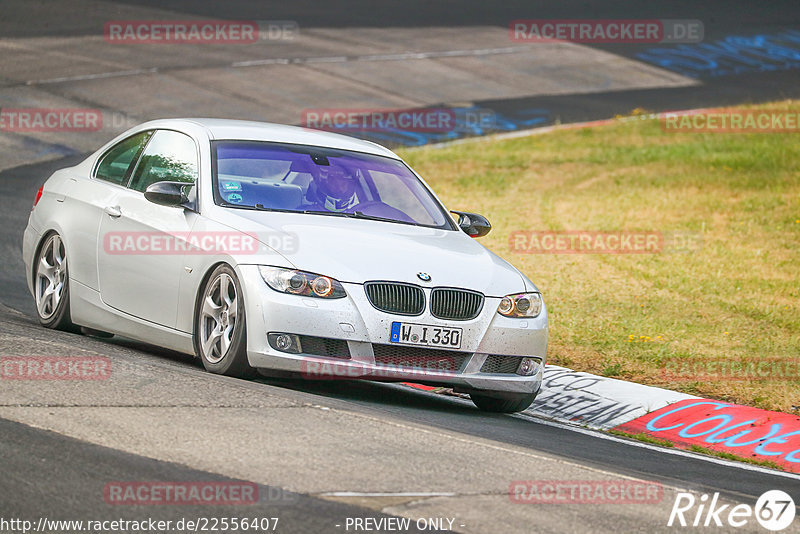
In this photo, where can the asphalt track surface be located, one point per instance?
(37, 479)
(57, 462)
(69, 488)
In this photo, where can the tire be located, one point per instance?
(514, 404)
(220, 338)
(51, 284)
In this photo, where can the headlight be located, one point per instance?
(301, 283)
(521, 305)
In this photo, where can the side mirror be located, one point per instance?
(472, 224)
(167, 193)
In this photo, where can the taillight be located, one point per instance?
(38, 196)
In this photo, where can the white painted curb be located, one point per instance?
(595, 401)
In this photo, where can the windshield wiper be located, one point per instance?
(358, 215)
(354, 215)
(257, 207)
(261, 207)
(325, 212)
(362, 215)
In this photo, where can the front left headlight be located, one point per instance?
(521, 305)
(301, 283)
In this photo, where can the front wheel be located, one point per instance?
(51, 284)
(507, 404)
(220, 338)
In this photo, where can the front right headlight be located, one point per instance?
(521, 305)
(301, 283)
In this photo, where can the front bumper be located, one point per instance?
(354, 320)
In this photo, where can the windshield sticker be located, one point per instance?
(231, 186)
(234, 198)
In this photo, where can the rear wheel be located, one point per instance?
(220, 339)
(507, 404)
(51, 284)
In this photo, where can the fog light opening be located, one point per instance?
(285, 343)
(528, 366)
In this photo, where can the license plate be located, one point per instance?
(425, 335)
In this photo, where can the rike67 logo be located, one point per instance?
(774, 510)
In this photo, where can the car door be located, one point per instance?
(142, 244)
(87, 198)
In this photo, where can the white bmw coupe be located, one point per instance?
(274, 248)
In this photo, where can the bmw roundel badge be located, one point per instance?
(425, 277)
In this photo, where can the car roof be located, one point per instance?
(220, 129)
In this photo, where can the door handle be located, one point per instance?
(113, 211)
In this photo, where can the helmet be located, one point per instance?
(336, 188)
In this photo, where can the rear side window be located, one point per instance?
(170, 156)
(116, 163)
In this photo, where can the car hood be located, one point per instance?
(356, 251)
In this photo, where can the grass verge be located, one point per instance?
(641, 436)
(731, 300)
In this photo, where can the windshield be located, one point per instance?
(325, 181)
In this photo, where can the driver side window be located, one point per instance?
(169, 156)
